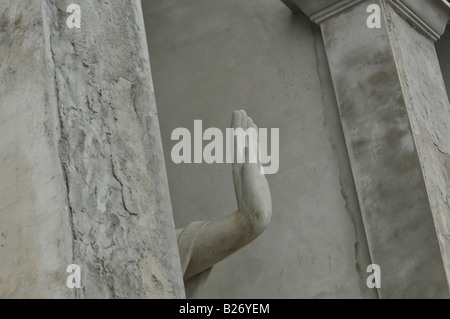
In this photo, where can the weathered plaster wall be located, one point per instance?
(429, 113)
(381, 80)
(111, 152)
(83, 178)
(210, 57)
(35, 235)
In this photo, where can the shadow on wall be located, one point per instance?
(443, 52)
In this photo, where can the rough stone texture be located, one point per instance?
(82, 171)
(111, 152)
(429, 114)
(209, 57)
(385, 152)
(35, 235)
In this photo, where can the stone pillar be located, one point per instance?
(83, 176)
(35, 234)
(396, 121)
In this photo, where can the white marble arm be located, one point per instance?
(217, 240)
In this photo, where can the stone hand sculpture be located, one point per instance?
(203, 244)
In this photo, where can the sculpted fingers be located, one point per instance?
(249, 122)
(236, 119)
(235, 124)
(247, 138)
(253, 141)
(243, 119)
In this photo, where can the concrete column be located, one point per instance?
(396, 121)
(35, 233)
(83, 179)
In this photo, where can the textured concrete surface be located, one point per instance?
(111, 152)
(372, 79)
(429, 114)
(83, 178)
(210, 57)
(35, 235)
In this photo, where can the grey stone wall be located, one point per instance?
(429, 113)
(82, 172)
(210, 57)
(83, 176)
(394, 111)
(35, 234)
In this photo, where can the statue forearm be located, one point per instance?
(219, 239)
(203, 244)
